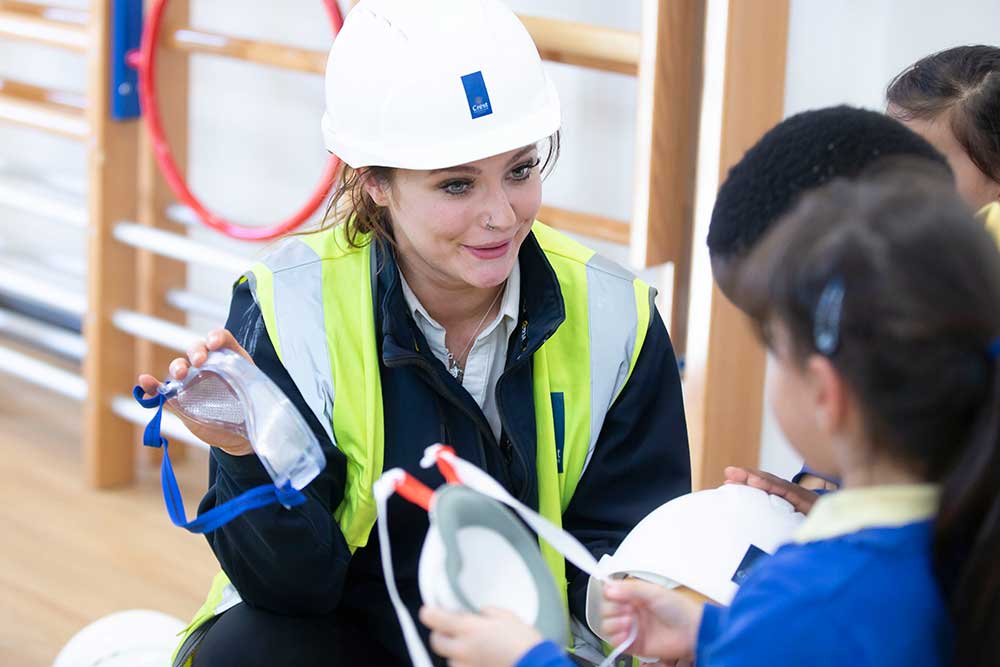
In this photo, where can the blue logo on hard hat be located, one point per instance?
(475, 92)
(750, 558)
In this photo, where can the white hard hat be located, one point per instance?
(134, 638)
(706, 541)
(429, 84)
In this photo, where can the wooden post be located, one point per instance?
(108, 441)
(156, 275)
(669, 109)
(725, 414)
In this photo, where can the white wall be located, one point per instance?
(255, 146)
(846, 51)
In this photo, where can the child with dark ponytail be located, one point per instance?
(880, 302)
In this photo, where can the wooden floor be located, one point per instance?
(70, 555)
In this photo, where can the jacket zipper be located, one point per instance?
(505, 431)
(422, 363)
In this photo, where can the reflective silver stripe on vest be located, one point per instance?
(298, 312)
(230, 597)
(613, 323)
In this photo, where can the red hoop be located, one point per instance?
(146, 65)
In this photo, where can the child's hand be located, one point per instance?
(494, 638)
(667, 621)
(801, 499)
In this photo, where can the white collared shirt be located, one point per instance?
(488, 356)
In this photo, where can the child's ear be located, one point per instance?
(830, 395)
(376, 188)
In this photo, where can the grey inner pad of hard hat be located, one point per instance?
(459, 507)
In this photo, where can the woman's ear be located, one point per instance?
(376, 188)
(830, 395)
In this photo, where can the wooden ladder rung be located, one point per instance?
(580, 44)
(590, 46)
(54, 111)
(191, 40)
(54, 26)
(586, 224)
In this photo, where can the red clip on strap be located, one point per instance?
(447, 471)
(414, 490)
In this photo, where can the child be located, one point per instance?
(796, 156)
(878, 302)
(952, 99)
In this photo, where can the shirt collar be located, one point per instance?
(542, 309)
(848, 511)
(508, 306)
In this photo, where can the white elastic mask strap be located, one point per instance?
(382, 489)
(477, 480)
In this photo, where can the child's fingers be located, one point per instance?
(444, 645)
(736, 474)
(617, 626)
(440, 620)
(616, 609)
(800, 498)
(633, 591)
(755, 478)
(618, 638)
(497, 613)
(432, 617)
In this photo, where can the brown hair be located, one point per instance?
(916, 288)
(963, 82)
(365, 220)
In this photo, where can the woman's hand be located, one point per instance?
(667, 621)
(493, 638)
(802, 499)
(216, 340)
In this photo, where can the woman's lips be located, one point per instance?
(494, 251)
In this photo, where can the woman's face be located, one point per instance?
(463, 226)
(975, 187)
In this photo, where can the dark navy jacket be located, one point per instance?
(296, 562)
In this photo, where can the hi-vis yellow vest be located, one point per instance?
(990, 214)
(315, 295)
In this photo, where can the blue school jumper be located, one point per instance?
(855, 588)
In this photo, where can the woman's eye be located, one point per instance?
(523, 172)
(456, 187)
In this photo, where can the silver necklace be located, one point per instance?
(454, 367)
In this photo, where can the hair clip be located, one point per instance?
(826, 327)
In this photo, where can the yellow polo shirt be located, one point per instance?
(990, 214)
